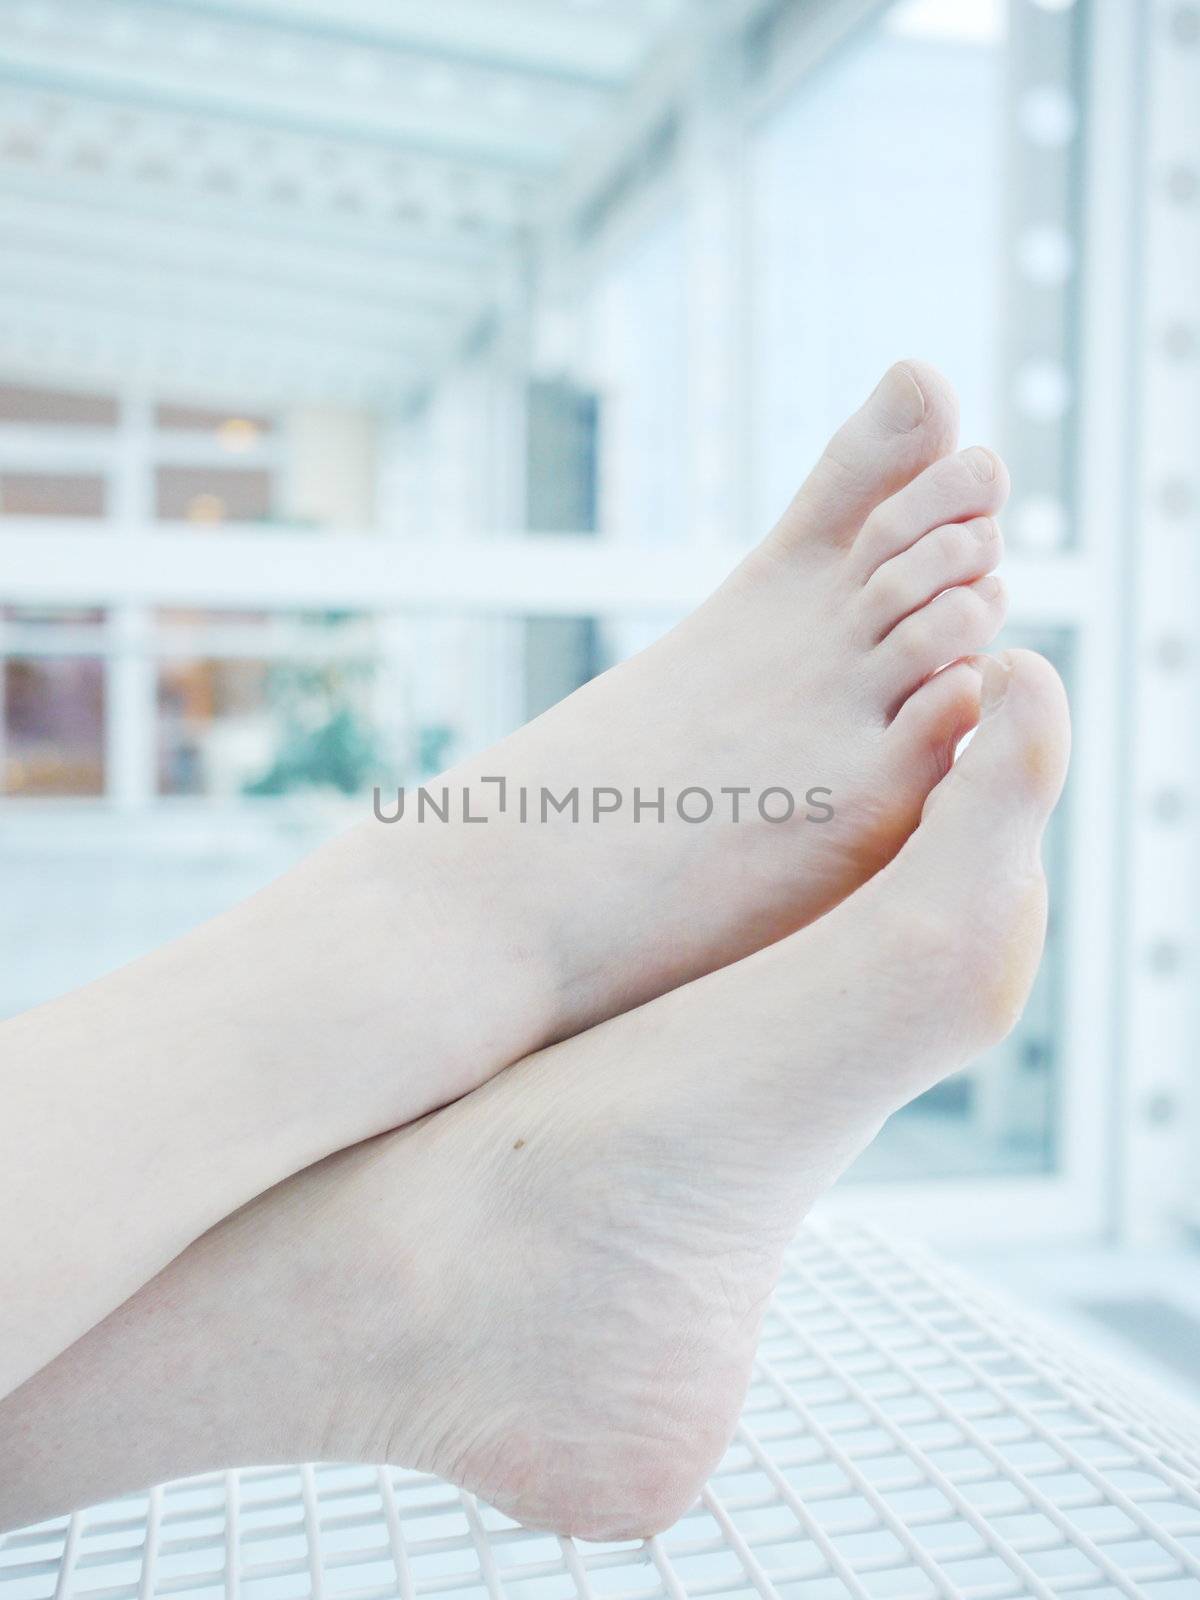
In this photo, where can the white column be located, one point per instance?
(330, 475)
(130, 712)
(3, 705)
(505, 492)
(716, 288)
(1161, 1111)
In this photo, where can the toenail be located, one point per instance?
(900, 399)
(995, 673)
(981, 462)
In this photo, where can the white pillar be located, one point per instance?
(130, 710)
(716, 289)
(330, 477)
(1161, 1109)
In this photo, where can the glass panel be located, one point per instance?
(561, 424)
(56, 408)
(205, 494)
(560, 654)
(949, 233)
(251, 704)
(30, 616)
(278, 632)
(256, 728)
(459, 683)
(635, 329)
(53, 741)
(173, 620)
(233, 430)
(299, 703)
(52, 494)
(845, 175)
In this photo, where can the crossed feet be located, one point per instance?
(551, 1290)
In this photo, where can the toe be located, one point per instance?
(919, 746)
(909, 421)
(930, 726)
(1016, 764)
(956, 623)
(956, 553)
(961, 911)
(973, 483)
(975, 860)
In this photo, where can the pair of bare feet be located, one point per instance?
(550, 1291)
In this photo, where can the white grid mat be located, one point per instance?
(905, 1436)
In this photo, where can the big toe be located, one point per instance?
(909, 421)
(1008, 780)
(969, 885)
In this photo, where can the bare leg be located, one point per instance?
(551, 1291)
(139, 1111)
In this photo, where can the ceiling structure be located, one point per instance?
(280, 198)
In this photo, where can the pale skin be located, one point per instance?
(328, 1010)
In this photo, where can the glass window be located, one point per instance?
(53, 731)
(258, 704)
(254, 704)
(21, 403)
(52, 494)
(212, 494)
(636, 328)
(876, 222)
(233, 430)
(915, 197)
(52, 616)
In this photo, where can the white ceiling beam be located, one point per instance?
(322, 356)
(188, 379)
(588, 44)
(44, 342)
(49, 219)
(101, 285)
(277, 228)
(473, 123)
(287, 175)
(803, 40)
(111, 114)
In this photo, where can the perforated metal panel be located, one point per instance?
(905, 1436)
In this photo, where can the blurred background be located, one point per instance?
(373, 372)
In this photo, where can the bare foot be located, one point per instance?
(551, 1292)
(812, 672)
